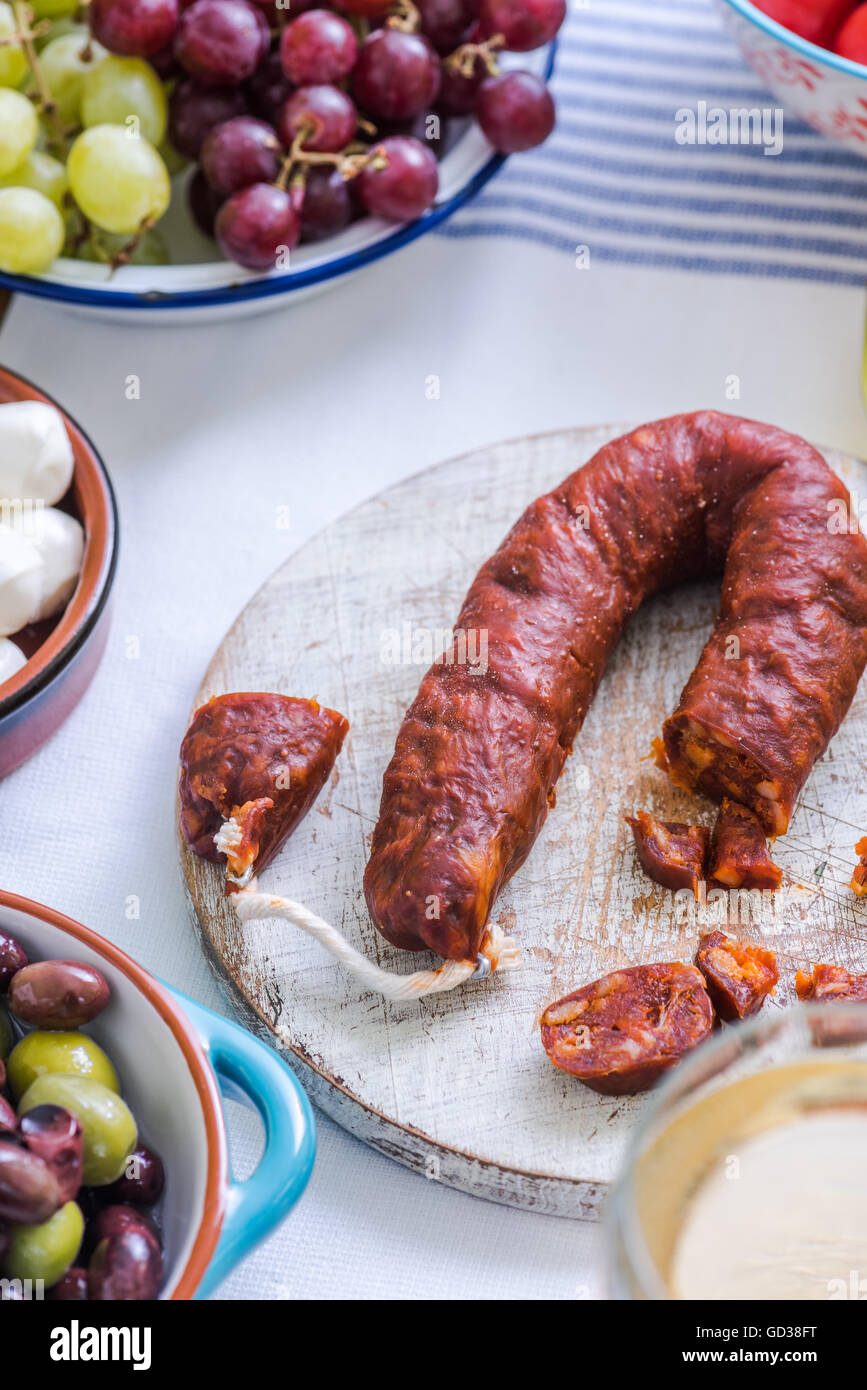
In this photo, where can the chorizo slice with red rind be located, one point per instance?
(830, 982)
(739, 975)
(739, 851)
(620, 1033)
(859, 876)
(260, 758)
(671, 853)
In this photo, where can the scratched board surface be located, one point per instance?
(458, 1086)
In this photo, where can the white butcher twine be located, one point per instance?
(499, 952)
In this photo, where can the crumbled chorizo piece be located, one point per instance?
(859, 877)
(620, 1033)
(251, 767)
(672, 853)
(739, 976)
(657, 753)
(739, 853)
(829, 982)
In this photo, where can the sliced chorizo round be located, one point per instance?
(620, 1033)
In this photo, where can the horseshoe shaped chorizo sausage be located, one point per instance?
(478, 754)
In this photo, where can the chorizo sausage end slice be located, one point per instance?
(260, 757)
(620, 1033)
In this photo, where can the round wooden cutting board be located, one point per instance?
(458, 1086)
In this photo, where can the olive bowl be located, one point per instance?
(175, 1058)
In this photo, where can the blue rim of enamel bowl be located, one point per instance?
(245, 291)
(803, 46)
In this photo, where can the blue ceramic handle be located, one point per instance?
(252, 1072)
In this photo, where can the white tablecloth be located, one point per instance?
(316, 407)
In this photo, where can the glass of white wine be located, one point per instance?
(746, 1177)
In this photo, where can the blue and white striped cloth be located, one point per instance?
(612, 177)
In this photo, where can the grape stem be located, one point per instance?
(404, 16)
(126, 252)
(26, 36)
(463, 60)
(348, 162)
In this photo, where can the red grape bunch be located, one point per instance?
(298, 119)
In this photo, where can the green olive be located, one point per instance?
(66, 1053)
(45, 1252)
(107, 1124)
(7, 1037)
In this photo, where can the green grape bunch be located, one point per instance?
(80, 128)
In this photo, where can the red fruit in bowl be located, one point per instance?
(515, 111)
(397, 75)
(401, 180)
(194, 110)
(257, 225)
(524, 24)
(851, 42)
(221, 42)
(136, 28)
(326, 207)
(268, 88)
(323, 114)
(239, 152)
(372, 9)
(318, 46)
(816, 20)
(446, 22)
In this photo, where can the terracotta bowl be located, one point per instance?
(64, 653)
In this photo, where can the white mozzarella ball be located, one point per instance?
(12, 659)
(59, 540)
(20, 581)
(35, 453)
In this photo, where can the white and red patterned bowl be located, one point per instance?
(826, 91)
